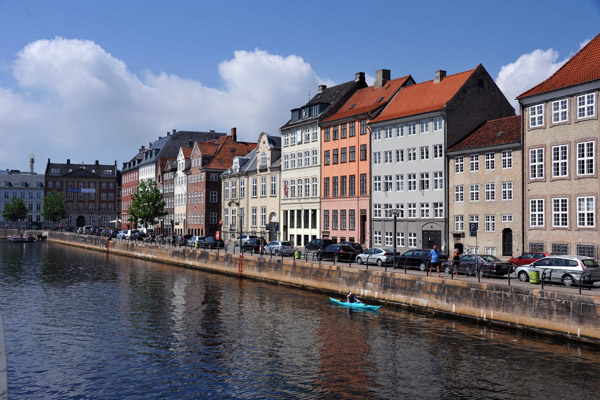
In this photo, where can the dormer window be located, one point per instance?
(315, 110)
(295, 115)
(305, 113)
(236, 165)
(263, 159)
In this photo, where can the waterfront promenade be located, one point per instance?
(553, 310)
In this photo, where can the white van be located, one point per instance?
(130, 233)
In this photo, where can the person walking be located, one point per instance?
(455, 262)
(435, 260)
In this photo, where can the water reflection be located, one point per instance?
(83, 325)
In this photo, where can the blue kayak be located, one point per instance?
(357, 305)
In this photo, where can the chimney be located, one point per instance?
(190, 143)
(382, 76)
(96, 162)
(359, 77)
(439, 75)
(68, 161)
(234, 134)
(174, 131)
(322, 87)
(31, 162)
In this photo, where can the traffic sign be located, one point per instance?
(473, 228)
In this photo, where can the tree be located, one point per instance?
(54, 207)
(147, 204)
(16, 210)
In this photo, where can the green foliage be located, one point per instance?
(54, 207)
(15, 210)
(147, 204)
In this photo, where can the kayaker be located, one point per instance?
(351, 298)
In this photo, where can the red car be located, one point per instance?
(527, 258)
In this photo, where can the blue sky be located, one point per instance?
(91, 80)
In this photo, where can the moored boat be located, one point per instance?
(21, 238)
(355, 305)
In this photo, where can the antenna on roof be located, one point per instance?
(308, 94)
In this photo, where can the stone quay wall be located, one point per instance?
(566, 314)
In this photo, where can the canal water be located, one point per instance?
(85, 325)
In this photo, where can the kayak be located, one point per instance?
(358, 306)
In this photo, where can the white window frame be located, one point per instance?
(474, 193)
(490, 223)
(536, 213)
(536, 116)
(490, 161)
(560, 212)
(507, 159)
(560, 111)
(459, 164)
(459, 193)
(474, 163)
(536, 163)
(507, 191)
(490, 191)
(586, 158)
(586, 212)
(560, 161)
(586, 106)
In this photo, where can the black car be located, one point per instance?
(211, 243)
(485, 264)
(317, 244)
(335, 252)
(418, 258)
(255, 245)
(356, 246)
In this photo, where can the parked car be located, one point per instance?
(485, 264)
(255, 245)
(417, 258)
(211, 243)
(527, 258)
(356, 246)
(565, 269)
(245, 239)
(182, 240)
(337, 252)
(195, 239)
(375, 256)
(317, 244)
(121, 234)
(280, 248)
(132, 234)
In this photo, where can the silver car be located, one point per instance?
(278, 247)
(375, 256)
(565, 269)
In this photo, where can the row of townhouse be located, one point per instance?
(406, 164)
(187, 168)
(355, 157)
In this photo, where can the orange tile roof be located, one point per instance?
(581, 68)
(187, 151)
(424, 97)
(226, 151)
(489, 134)
(368, 99)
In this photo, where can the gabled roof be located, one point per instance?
(583, 67)
(424, 97)
(226, 151)
(368, 99)
(492, 133)
(330, 96)
(97, 169)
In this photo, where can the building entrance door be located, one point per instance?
(430, 238)
(80, 221)
(363, 228)
(507, 242)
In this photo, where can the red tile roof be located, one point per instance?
(581, 68)
(424, 97)
(226, 150)
(368, 99)
(187, 151)
(489, 134)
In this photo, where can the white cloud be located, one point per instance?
(529, 70)
(74, 100)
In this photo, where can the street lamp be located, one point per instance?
(241, 222)
(395, 211)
